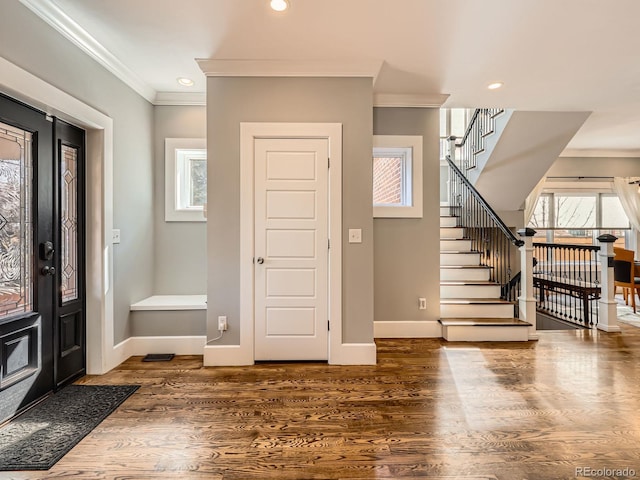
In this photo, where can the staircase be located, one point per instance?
(470, 305)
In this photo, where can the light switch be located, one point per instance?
(355, 235)
(116, 236)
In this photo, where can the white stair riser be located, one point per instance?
(448, 232)
(446, 211)
(462, 274)
(448, 221)
(462, 259)
(455, 245)
(485, 334)
(476, 310)
(469, 291)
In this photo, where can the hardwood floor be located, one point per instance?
(429, 409)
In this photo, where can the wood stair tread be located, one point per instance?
(468, 282)
(474, 301)
(483, 322)
(460, 251)
(464, 266)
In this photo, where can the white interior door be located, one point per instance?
(291, 249)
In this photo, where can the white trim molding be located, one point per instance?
(244, 354)
(177, 152)
(355, 354)
(227, 355)
(178, 345)
(407, 329)
(26, 87)
(391, 100)
(290, 68)
(180, 98)
(68, 28)
(412, 145)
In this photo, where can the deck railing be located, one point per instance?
(567, 280)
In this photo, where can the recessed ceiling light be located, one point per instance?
(495, 85)
(279, 5)
(185, 82)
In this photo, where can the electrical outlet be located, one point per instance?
(355, 235)
(222, 323)
(116, 235)
(422, 303)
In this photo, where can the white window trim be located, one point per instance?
(414, 142)
(172, 212)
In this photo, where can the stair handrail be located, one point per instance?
(482, 122)
(486, 207)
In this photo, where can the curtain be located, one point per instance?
(629, 198)
(532, 200)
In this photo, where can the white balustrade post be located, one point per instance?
(607, 311)
(526, 300)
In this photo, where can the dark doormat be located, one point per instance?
(41, 436)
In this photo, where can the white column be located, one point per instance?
(526, 301)
(607, 311)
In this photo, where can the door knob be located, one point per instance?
(260, 260)
(46, 270)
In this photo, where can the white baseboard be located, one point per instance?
(609, 328)
(227, 355)
(354, 354)
(132, 346)
(407, 329)
(119, 354)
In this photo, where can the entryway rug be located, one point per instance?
(41, 436)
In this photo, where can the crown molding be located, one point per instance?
(290, 68)
(66, 26)
(180, 98)
(606, 153)
(434, 100)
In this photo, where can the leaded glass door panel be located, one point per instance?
(26, 280)
(69, 328)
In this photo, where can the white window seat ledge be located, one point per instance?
(171, 302)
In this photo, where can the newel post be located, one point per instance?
(526, 300)
(608, 315)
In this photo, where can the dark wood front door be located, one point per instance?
(42, 342)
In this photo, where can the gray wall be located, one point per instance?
(339, 100)
(28, 42)
(180, 247)
(407, 250)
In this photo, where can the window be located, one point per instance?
(185, 179)
(397, 176)
(579, 218)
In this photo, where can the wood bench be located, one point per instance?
(584, 291)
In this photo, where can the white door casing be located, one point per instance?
(244, 353)
(291, 249)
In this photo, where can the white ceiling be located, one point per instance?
(568, 55)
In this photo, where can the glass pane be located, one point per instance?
(16, 256)
(69, 222)
(458, 121)
(541, 217)
(573, 237)
(613, 215)
(575, 212)
(198, 182)
(387, 181)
